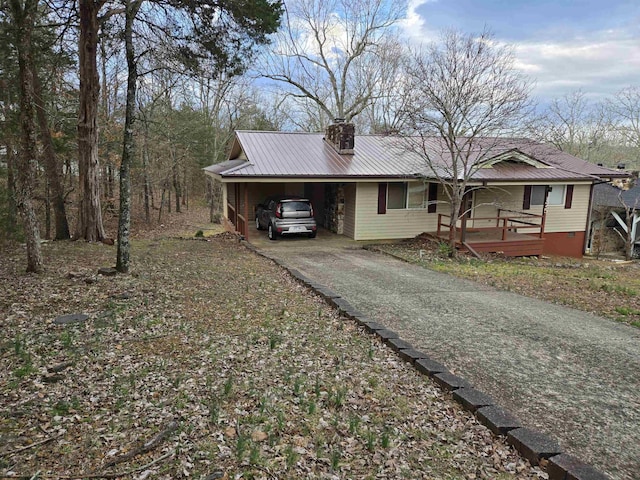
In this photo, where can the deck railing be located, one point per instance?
(242, 226)
(514, 221)
(238, 220)
(231, 214)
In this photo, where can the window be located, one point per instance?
(417, 197)
(407, 195)
(396, 195)
(534, 195)
(556, 194)
(537, 194)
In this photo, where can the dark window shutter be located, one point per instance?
(382, 198)
(432, 197)
(526, 202)
(568, 199)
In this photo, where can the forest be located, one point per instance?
(110, 109)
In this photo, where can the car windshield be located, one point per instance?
(296, 207)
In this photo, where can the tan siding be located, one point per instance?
(395, 223)
(488, 201)
(574, 219)
(350, 210)
(560, 219)
(408, 223)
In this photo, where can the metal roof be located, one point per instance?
(307, 155)
(606, 195)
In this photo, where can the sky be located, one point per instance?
(564, 45)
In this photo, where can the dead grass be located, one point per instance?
(597, 286)
(261, 378)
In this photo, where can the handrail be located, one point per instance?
(507, 223)
(518, 211)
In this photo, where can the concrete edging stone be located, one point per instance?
(537, 447)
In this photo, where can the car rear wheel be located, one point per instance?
(258, 227)
(312, 235)
(271, 232)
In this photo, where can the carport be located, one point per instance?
(239, 200)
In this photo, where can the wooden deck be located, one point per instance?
(506, 237)
(515, 244)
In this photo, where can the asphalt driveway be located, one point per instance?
(573, 375)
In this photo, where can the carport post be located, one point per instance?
(246, 211)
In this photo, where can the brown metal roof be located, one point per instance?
(306, 155)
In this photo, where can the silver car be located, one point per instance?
(286, 215)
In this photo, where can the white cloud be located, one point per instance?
(413, 25)
(599, 65)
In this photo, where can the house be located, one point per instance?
(526, 198)
(609, 229)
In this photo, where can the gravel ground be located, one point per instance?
(568, 373)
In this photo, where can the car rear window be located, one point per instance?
(296, 207)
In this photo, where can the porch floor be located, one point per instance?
(487, 241)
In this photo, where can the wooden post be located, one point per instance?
(544, 217)
(504, 228)
(439, 223)
(246, 212)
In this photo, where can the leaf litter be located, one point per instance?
(208, 361)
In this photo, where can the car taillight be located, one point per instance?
(311, 209)
(279, 211)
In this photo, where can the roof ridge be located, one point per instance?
(280, 132)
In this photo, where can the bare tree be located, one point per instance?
(626, 107)
(23, 15)
(330, 52)
(53, 166)
(575, 125)
(465, 93)
(124, 219)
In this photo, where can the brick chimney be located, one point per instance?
(340, 135)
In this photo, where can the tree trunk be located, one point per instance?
(8, 137)
(124, 220)
(51, 164)
(176, 185)
(145, 173)
(47, 209)
(26, 160)
(185, 189)
(161, 205)
(89, 224)
(11, 187)
(453, 229)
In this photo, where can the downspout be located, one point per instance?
(587, 229)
